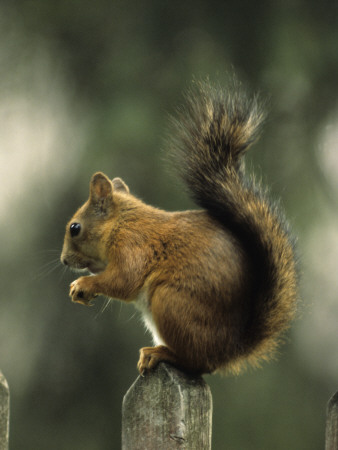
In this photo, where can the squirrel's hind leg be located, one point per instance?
(182, 326)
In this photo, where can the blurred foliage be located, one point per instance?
(106, 74)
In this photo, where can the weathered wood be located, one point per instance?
(4, 413)
(167, 409)
(331, 441)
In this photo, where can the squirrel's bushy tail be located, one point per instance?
(212, 132)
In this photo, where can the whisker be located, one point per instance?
(131, 317)
(120, 309)
(105, 305)
(49, 263)
(62, 274)
(48, 250)
(46, 269)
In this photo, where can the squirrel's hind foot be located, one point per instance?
(151, 356)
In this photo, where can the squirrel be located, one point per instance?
(217, 287)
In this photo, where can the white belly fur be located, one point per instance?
(142, 304)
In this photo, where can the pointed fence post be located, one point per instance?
(167, 409)
(4, 413)
(331, 438)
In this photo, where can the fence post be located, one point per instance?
(331, 439)
(167, 409)
(4, 413)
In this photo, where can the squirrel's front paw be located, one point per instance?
(79, 293)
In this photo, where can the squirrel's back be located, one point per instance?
(211, 134)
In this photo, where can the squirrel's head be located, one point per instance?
(85, 241)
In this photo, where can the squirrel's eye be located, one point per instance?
(75, 229)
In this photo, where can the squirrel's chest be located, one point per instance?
(142, 304)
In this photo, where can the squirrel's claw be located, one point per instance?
(80, 295)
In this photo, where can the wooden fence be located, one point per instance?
(4, 413)
(331, 438)
(166, 409)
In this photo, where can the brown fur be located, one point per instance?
(217, 287)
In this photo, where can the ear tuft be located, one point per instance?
(100, 187)
(120, 185)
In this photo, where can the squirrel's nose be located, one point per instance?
(64, 261)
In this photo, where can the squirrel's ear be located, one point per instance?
(120, 185)
(100, 187)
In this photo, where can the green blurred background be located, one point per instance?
(87, 86)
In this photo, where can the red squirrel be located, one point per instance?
(217, 287)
